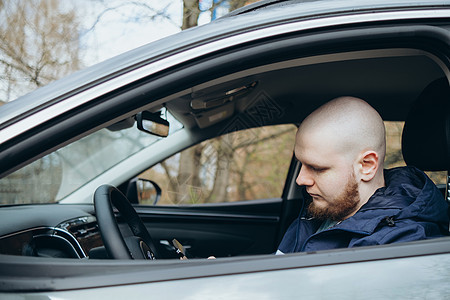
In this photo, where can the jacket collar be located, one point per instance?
(404, 190)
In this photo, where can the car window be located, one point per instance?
(394, 157)
(58, 174)
(242, 165)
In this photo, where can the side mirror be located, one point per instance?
(143, 191)
(152, 123)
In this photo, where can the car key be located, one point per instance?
(179, 249)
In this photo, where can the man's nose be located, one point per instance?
(304, 177)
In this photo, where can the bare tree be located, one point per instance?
(138, 11)
(191, 12)
(39, 44)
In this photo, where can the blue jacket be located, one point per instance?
(409, 208)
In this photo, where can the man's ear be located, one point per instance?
(368, 165)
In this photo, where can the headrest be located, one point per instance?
(426, 134)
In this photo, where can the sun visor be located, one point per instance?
(210, 117)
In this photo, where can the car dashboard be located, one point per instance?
(37, 230)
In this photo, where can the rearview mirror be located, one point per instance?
(152, 123)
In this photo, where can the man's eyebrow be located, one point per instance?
(313, 165)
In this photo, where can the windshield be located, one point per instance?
(60, 173)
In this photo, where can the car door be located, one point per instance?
(253, 227)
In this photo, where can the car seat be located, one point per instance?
(426, 134)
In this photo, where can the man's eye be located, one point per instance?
(318, 169)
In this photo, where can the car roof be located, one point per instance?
(326, 7)
(259, 15)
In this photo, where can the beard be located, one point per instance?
(341, 207)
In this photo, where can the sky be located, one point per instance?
(124, 28)
(127, 26)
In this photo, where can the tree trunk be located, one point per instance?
(189, 184)
(222, 175)
(191, 12)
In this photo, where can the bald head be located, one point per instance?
(341, 146)
(348, 125)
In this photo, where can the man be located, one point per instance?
(354, 202)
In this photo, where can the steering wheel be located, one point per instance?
(138, 246)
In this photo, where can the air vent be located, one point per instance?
(81, 231)
(84, 230)
(80, 227)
